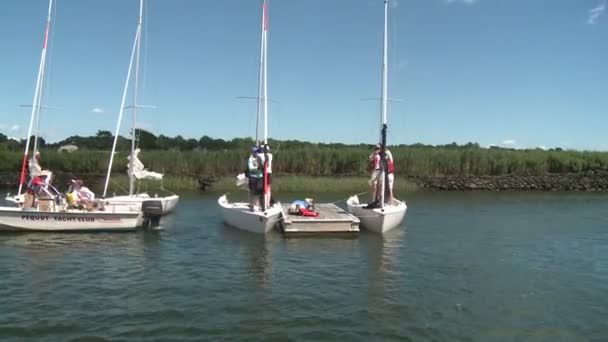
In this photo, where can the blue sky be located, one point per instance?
(521, 73)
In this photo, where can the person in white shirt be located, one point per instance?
(374, 169)
(265, 151)
(80, 194)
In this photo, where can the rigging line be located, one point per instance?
(118, 185)
(144, 68)
(48, 73)
(145, 63)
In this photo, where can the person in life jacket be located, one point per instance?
(391, 174)
(79, 194)
(254, 173)
(304, 207)
(262, 153)
(374, 168)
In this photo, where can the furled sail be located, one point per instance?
(138, 168)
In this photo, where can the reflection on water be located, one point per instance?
(469, 266)
(255, 250)
(383, 253)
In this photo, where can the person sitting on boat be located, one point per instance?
(374, 169)
(254, 173)
(79, 194)
(304, 207)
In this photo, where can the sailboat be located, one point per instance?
(47, 210)
(384, 216)
(240, 214)
(136, 169)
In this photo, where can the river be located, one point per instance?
(464, 266)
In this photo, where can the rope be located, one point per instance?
(344, 200)
(118, 185)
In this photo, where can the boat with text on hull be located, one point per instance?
(41, 207)
(17, 219)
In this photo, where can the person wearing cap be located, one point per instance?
(374, 169)
(254, 173)
(80, 194)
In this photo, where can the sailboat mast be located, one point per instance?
(37, 94)
(265, 47)
(121, 110)
(384, 97)
(383, 109)
(135, 86)
(260, 80)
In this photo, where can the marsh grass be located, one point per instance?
(327, 161)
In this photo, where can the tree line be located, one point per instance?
(190, 157)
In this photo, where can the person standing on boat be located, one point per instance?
(374, 169)
(265, 152)
(35, 168)
(254, 173)
(391, 174)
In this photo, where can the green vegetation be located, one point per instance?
(305, 185)
(183, 161)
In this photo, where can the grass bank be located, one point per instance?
(329, 161)
(305, 185)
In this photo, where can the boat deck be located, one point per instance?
(331, 219)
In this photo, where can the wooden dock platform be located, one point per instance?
(331, 219)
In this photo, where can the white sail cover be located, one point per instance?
(138, 168)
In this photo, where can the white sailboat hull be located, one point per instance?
(378, 220)
(16, 219)
(239, 216)
(134, 202)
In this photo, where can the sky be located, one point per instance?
(513, 73)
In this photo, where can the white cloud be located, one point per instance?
(14, 128)
(596, 12)
(97, 110)
(508, 142)
(542, 147)
(466, 2)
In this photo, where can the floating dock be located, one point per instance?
(331, 219)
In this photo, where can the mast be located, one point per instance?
(265, 84)
(135, 85)
(383, 109)
(122, 104)
(260, 81)
(265, 200)
(37, 95)
(384, 97)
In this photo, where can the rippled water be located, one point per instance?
(466, 266)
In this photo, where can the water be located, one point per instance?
(466, 266)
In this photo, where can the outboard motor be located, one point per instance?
(152, 211)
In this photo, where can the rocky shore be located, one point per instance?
(587, 181)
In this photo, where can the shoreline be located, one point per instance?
(590, 181)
